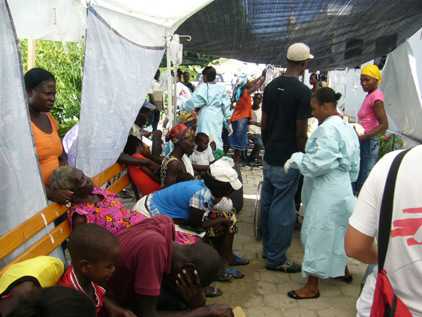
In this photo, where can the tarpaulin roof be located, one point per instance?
(339, 32)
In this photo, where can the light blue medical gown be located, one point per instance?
(329, 165)
(215, 109)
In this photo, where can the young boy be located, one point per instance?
(94, 252)
(202, 156)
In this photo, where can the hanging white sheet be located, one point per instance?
(21, 189)
(402, 84)
(117, 75)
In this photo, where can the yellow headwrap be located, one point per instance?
(47, 270)
(372, 71)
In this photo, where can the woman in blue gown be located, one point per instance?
(214, 105)
(329, 165)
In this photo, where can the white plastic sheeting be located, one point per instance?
(402, 87)
(347, 82)
(144, 22)
(117, 76)
(401, 84)
(21, 189)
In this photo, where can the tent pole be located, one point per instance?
(32, 53)
(169, 84)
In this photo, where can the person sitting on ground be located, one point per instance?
(20, 280)
(329, 165)
(190, 204)
(55, 301)
(41, 90)
(143, 166)
(202, 156)
(177, 167)
(151, 264)
(94, 252)
(255, 128)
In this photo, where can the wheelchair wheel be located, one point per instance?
(257, 215)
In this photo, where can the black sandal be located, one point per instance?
(294, 295)
(211, 291)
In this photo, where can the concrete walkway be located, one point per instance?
(262, 293)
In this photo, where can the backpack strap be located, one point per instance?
(386, 214)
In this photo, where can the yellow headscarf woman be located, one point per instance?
(373, 119)
(372, 71)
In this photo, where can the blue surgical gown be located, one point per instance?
(215, 109)
(329, 165)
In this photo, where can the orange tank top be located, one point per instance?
(49, 148)
(243, 108)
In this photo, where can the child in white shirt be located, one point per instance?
(202, 156)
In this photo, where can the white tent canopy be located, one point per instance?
(144, 22)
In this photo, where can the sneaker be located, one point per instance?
(286, 267)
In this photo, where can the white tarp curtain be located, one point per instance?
(402, 87)
(117, 76)
(401, 84)
(21, 189)
(144, 22)
(347, 82)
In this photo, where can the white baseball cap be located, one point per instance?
(223, 171)
(299, 52)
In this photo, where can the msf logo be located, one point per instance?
(411, 228)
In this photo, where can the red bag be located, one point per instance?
(386, 303)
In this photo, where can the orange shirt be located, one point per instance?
(49, 148)
(243, 108)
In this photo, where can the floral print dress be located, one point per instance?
(109, 213)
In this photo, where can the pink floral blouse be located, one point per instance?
(109, 213)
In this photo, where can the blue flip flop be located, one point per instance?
(235, 273)
(239, 261)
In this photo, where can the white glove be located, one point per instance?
(288, 165)
(230, 129)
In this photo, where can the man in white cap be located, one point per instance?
(285, 111)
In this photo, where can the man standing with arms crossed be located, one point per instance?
(285, 112)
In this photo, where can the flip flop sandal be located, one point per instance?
(224, 277)
(235, 273)
(239, 261)
(346, 278)
(211, 292)
(294, 295)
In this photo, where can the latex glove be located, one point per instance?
(288, 165)
(230, 129)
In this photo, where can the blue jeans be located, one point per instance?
(369, 152)
(278, 212)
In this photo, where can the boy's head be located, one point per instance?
(94, 252)
(257, 98)
(201, 140)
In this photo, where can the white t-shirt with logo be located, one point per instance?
(404, 256)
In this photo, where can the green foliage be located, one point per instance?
(390, 142)
(65, 61)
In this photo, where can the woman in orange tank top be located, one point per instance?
(41, 89)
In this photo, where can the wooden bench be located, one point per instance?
(13, 239)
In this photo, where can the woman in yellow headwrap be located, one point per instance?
(373, 119)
